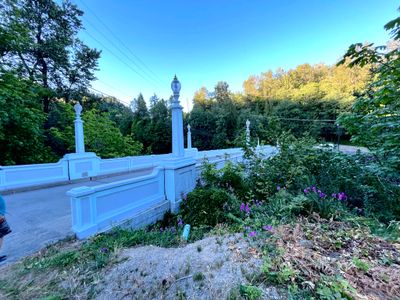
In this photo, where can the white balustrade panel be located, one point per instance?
(140, 200)
(13, 177)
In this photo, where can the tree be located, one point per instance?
(45, 47)
(374, 120)
(139, 108)
(104, 138)
(21, 122)
(160, 127)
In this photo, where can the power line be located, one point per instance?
(116, 56)
(305, 120)
(122, 52)
(114, 88)
(105, 94)
(119, 40)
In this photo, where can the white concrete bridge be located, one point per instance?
(83, 194)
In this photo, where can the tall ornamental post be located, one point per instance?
(247, 132)
(189, 137)
(79, 137)
(177, 120)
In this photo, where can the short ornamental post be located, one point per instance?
(248, 133)
(189, 137)
(177, 120)
(79, 136)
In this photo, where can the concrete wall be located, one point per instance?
(145, 199)
(141, 200)
(73, 166)
(14, 177)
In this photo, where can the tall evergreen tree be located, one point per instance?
(45, 48)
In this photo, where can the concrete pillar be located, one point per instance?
(79, 137)
(248, 133)
(177, 121)
(189, 138)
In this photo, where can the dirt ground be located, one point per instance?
(212, 268)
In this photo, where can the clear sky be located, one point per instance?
(145, 42)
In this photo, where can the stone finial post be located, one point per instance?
(247, 132)
(189, 138)
(79, 136)
(177, 120)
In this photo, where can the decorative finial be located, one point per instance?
(175, 86)
(78, 109)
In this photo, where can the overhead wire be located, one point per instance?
(116, 56)
(108, 95)
(121, 42)
(122, 52)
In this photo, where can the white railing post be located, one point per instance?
(177, 120)
(189, 138)
(81, 164)
(180, 169)
(79, 136)
(248, 133)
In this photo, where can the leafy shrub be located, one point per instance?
(230, 177)
(300, 164)
(207, 206)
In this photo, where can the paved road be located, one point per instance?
(40, 217)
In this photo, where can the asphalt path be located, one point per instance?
(43, 216)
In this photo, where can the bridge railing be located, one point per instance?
(145, 199)
(22, 176)
(141, 200)
(72, 168)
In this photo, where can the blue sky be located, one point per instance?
(205, 41)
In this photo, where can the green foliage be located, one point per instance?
(334, 289)
(300, 165)
(360, 264)
(105, 139)
(152, 127)
(231, 177)
(21, 122)
(60, 61)
(304, 101)
(250, 292)
(374, 120)
(207, 206)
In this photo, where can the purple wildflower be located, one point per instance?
(314, 189)
(246, 228)
(104, 250)
(161, 229)
(334, 195)
(242, 207)
(180, 223)
(322, 195)
(247, 208)
(252, 233)
(278, 187)
(342, 196)
(306, 191)
(267, 227)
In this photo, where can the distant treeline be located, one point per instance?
(306, 101)
(45, 69)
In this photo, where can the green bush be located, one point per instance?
(299, 164)
(208, 206)
(230, 177)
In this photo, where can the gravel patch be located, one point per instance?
(212, 268)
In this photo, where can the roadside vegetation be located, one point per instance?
(324, 225)
(307, 223)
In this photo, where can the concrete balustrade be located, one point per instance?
(141, 201)
(163, 180)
